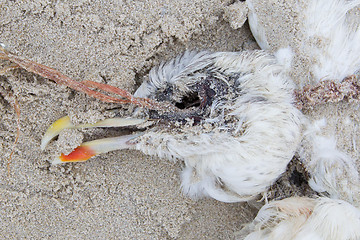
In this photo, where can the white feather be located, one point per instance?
(331, 170)
(256, 27)
(285, 57)
(335, 39)
(304, 219)
(327, 42)
(174, 71)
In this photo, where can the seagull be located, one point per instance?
(229, 116)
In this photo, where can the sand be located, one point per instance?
(123, 194)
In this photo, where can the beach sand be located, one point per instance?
(122, 194)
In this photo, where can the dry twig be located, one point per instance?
(17, 111)
(85, 86)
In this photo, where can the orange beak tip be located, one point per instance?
(80, 154)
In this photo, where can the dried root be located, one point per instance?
(85, 86)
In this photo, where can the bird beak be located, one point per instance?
(89, 149)
(55, 129)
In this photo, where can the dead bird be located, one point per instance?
(229, 116)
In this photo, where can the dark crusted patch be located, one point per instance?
(196, 102)
(165, 95)
(210, 89)
(293, 182)
(297, 178)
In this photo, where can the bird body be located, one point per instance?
(324, 48)
(243, 144)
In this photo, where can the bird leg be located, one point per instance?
(141, 102)
(93, 148)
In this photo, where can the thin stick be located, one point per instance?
(7, 68)
(17, 110)
(141, 102)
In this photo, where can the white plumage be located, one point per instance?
(331, 40)
(304, 218)
(256, 26)
(334, 38)
(324, 38)
(334, 42)
(330, 44)
(332, 171)
(246, 141)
